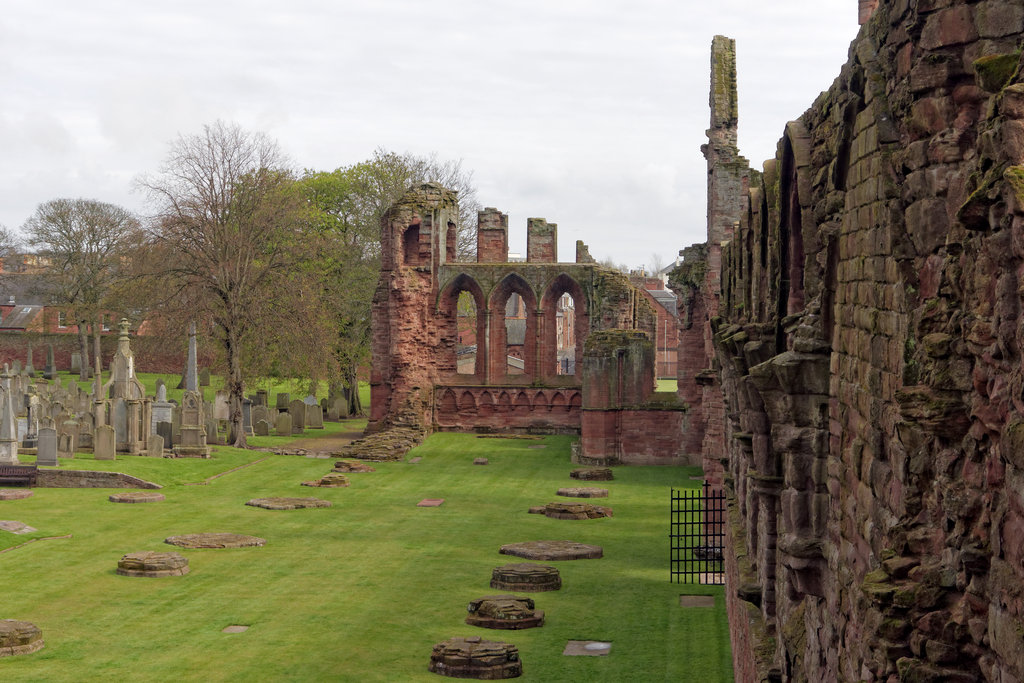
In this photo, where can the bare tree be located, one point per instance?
(86, 243)
(228, 230)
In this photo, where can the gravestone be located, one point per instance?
(103, 443)
(314, 417)
(204, 377)
(297, 409)
(119, 419)
(284, 424)
(29, 370)
(155, 446)
(166, 430)
(46, 453)
(65, 444)
(247, 417)
(212, 433)
(162, 408)
(260, 412)
(8, 425)
(283, 399)
(262, 396)
(261, 428)
(76, 362)
(16, 367)
(222, 405)
(310, 400)
(50, 371)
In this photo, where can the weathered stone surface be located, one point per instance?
(587, 648)
(552, 550)
(583, 492)
(504, 612)
(480, 461)
(572, 511)
(331, 480)
(288, 503)
(215, 540)
(136, 497)
(349, 466)
(154, 564)
(526, 578)
(15, 494)
(593, 474)
(15, 527)
(19, 638)
(474, 657)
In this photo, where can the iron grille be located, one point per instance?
(697, 536)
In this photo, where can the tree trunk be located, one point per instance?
(83, 349)
(355, 406)
(97, 346)
(236, 389)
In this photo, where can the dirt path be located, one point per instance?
(325, 444)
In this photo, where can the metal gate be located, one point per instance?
(697, 536)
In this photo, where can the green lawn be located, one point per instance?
(357, 592)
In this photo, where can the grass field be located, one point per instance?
(360, 591)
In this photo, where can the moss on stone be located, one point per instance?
(1014, 175)
(995, 71)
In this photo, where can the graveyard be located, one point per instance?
(361, 590)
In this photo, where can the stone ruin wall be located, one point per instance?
(414, 382)
(868, 344)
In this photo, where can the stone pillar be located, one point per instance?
(541, 241)
(8, 425)
(492, 236)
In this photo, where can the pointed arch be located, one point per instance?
(566, 325)
(501, 345)
(463, 330)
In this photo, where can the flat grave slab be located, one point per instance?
(582, 492)
(506, 612)
(592, 474)
(234, 628)
(587, 648)
(526, 577)
(19, 638)
(15, 494)
(331, 480)
(430, 503)
(480, 461)
(215, 540)
(571, 511)
(474, 657)
(288, 503)
(696, 601)
(15, 527)
(349, 466)
(552, 550)
(415, 461)
(150, 563)
(136, 497)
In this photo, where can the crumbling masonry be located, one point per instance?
(437, 367)
(864, 401)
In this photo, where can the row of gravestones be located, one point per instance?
(52, 445)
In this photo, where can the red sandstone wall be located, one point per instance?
(870, 357)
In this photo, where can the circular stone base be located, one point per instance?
(288, 503)
(215, 541)
(19, 638)
(552, 550)
(149, 563)
(136, 497)
(349, 466)
(572, 511)
(592, 474)
(526, 578)
(504, 612)
(476, 658)
(583, 492)
(15, 494)
(331, 480)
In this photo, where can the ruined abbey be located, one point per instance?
(850, 361)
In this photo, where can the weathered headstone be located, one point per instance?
(50, 371)
(212, 431)
(204, 377)
(297, 409)
(46, 453)
(247, 416)
(310, 400)
(261, 428)
(155, 446)
(260, 412)
(262, 396)
(314, 417)
(283, 399)
(65, 445)
(222, 405)
(76, 362)
(284, 424)
(103, 443)
(8, 425)
(166, 432)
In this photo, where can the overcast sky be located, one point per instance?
(589, 113)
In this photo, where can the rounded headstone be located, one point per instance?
(475, 657)
(583, 492)
(15, 494)
(525, 577)
(150, 563)
(136, 497)
(19, 638)
(552, 550)
(215, 540)
(288, 503)
(504, 612)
